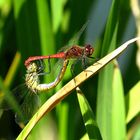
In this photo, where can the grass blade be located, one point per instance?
(88, 117)
(132, 102)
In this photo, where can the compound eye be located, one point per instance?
(89, 50)
(32, 67)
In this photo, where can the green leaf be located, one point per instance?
(110, 109)
(45, 27)
(108, 116)
(57, 8)
(28, 39)
(110, 26)
(88, 117)
(63, 111)
(133, 102)
(104, 100)
(118, 106)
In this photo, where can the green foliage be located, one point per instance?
(111, 99)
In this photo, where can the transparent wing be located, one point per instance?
(8, 99)
(28, 108)
(77, 36)
(75, 39)
(54, 69)
(27, 103)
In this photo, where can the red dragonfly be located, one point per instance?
(74, 52)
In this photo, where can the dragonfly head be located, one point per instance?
(88, 50)
(32, 67)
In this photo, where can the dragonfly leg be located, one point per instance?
(49, 68)
(96, 59)
(72, 72)
(41, 66)
(72, 69)
(84, 64)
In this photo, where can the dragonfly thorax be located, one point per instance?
(32, 78)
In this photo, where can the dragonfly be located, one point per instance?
(67, 53)
(70, 52)
(74, 52)
(29, 102)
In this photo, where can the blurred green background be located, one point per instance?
(42, 27)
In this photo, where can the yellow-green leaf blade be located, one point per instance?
(133, 102)
(88, 117)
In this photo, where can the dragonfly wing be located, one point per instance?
(55, 69)
(10, 98)
(28, 108)
(75, 39)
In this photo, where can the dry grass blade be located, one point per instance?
(69, 87)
